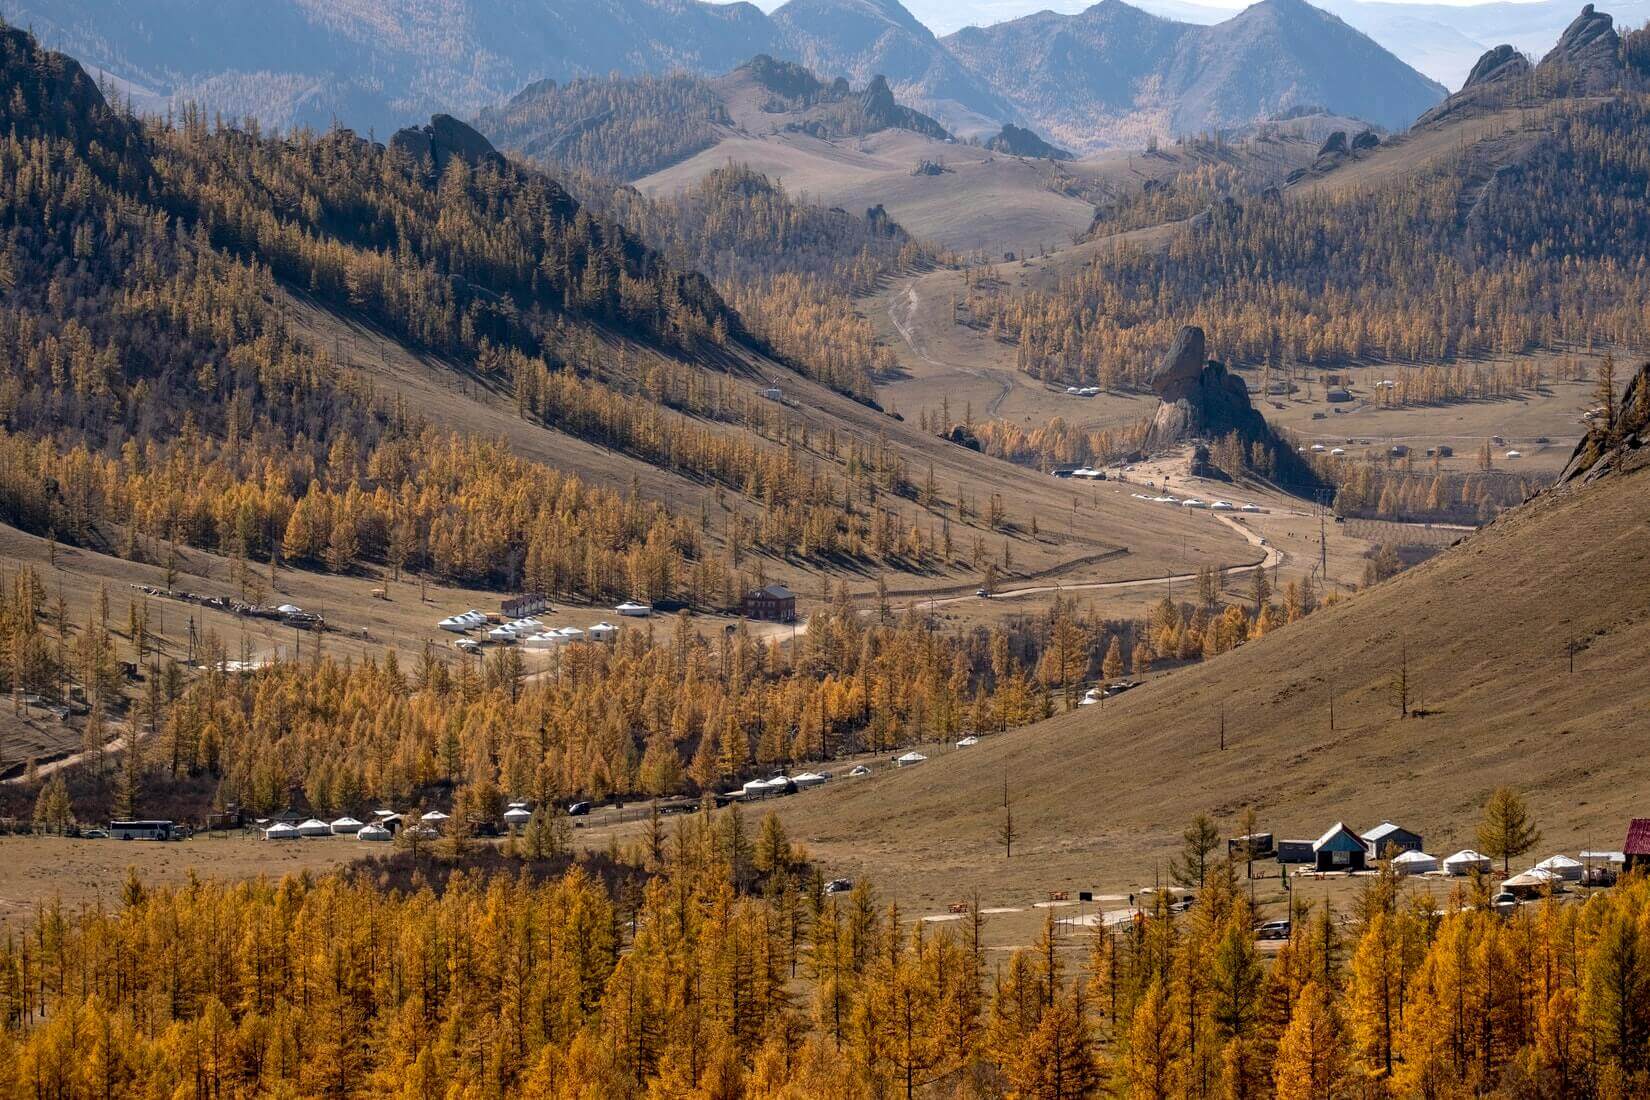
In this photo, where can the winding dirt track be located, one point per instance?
(1272, 556)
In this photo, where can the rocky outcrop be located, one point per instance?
(1019, 142)
(1618, 444)
(444, 138)
(1501, 64)
(1588, 54)
(1365, 140)
(1497, 76)
(1333, 145)
(882, 112)
(1199, 399)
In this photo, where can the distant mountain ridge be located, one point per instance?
(1115, 70)
(1111, 75)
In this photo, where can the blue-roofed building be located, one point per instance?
(1387, 840)
(1340, 849)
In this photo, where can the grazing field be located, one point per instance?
(35, 870)
(1099, 798)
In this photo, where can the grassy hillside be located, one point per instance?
(1100, 795)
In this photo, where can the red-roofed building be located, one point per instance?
(1637, 845)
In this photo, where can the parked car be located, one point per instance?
(839, 886)
(577, 809)
(95, 834)
(983, 593)
(1504, 902)
(1272, 930)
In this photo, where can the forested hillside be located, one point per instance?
(612, 126)
(1459, 259)
(792, 268)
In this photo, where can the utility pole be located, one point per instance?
(1223, 728)
(1332, 706)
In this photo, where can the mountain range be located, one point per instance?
(378, 64)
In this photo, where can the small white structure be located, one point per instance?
(603, 632)
(571, 634)
(290, 609)
(463, 624)
(858, 770)
(434, 817)
(761, 788)
(1090, 697)
(1222, 506)
(632, 609)
(1193, 502)
(1318, 448)
(771, 393)
(1515, 454)
(1337, 452)
(374, 832)
(517, 815)
(808, 779)
(1465, 862)
(384, 813)
(314, 827)
(1251, 507)
(1561, 866)
(1414, 863)
(1089, 391)
(281, 831)
(910, 758)
(1532, 882)
(344, 826)
(968, 742)
(549, 639)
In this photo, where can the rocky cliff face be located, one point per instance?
(1587, 60)
(1621, 444)
(444, 138)
(1199, 398)
(1588, 54)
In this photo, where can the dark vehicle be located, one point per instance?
(839, 886)
(983, 593)
(1119, 687)
(577, 809)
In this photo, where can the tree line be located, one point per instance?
(705, 960)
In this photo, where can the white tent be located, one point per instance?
(807, 779)
(1532, 882)
(548, 639)
(859, 769)
(383, 813)
(603, 632)
(502, 634)
(315, 827)
(1414, 863)
(281, 831)
(345, 825)
(434, 817)
(460, 624)
(634, 610)
(909, 758)
(290, 609)
(517, 815)
(968, 742)
(1561, 866)
(1465, 862)
(374, 832)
